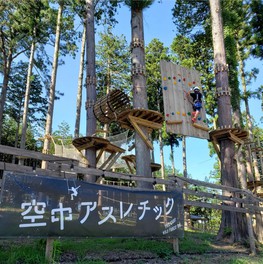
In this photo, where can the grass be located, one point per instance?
(194, 243)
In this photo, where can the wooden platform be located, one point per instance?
(236, 135)
(135, 118)
(131, 163)
(253, 186)
(102, 145)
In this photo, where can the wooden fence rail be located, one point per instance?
(212, 196)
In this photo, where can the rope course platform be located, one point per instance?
(133, 119)
(236, 135)
(131, 162)
(101, 145)
(253, 185)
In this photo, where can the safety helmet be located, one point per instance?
(196, 88)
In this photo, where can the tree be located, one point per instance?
(80, 83)
(235, 23)
(113, 67)
(13, 36)
(37, 105)
(113, 63)
(48, 128)
(33, 12)
(154, 53)
(90, 82)
(227, 148)
(65, 37)
(103, 14)
(142, 152)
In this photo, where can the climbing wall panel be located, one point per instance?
(176, 83)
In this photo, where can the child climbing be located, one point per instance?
(197, 102)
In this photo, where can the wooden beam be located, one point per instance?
(235, 138)
(34, 154)
(145, 122)
(216, 147)
(174, 122)
(141, 133)
(200, 127)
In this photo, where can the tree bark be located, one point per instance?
(7, 68)
(48, 128)
(162, 158)
(249, 166)
(80, 83)
(229, 219)
(90, 84)
(143, 159)
(27, 96)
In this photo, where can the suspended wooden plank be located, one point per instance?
(176, 83)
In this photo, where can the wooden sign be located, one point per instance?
(40, 206)
(177, 81)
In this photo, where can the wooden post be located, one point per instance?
(176, 245)
(49, 249)
(251, 234)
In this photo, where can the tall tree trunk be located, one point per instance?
(52, 89)
(184, 158)
(143, 159)
(172, 158)
(227, 148)
(91, 84)
(162, 158)
(7, 68)
(80, 83)
(27, 96)
(249, 170)
(248, 119)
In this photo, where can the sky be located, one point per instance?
(157, 24)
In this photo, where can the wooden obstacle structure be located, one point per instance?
(255, 150)
(131, 163)
(135, 118)
(102, 145)
(115, 106)
(243, 201)
(177, 81)
(236, 135)
(108, 107)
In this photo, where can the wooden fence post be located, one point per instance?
(49, 249)
(176, 245)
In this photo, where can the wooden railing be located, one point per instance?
(212, 196)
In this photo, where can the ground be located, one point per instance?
(223, 253)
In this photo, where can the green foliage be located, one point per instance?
(154, 53)
(86, 246)
(138, 5)
(227, 231)
(56, 249)
(189, 243)
(193, 243)
(257, 22)
(192, 13)
(113, 63)
(16, 96)
(29, 253)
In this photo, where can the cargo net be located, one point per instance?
(67, 150)
(121, 140)
(63, 148)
